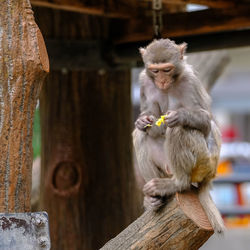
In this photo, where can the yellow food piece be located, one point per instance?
(160, 120)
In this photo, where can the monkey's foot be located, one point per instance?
(153, 203)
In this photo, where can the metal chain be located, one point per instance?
(157, 17)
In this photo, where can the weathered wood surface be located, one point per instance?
(89, 189)
(23, 66)
(180, 225)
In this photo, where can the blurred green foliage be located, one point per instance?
(36, 140)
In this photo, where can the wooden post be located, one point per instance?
(89, 189)
(23, 66)
(181, 225)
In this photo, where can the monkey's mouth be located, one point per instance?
(163, 86)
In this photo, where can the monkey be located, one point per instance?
(184, 151)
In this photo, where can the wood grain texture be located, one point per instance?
(23, 66)
(170, 228)
(58, 24)
(89, 189)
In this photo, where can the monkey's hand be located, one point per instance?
(173, 118)
(159, 187)
(143, 121)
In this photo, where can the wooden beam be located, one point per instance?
(79, 55)
(84, 9)
(181, 224)
(214, 41)
(208, 3)
(99, 10)
(127, 53)
(184, 24)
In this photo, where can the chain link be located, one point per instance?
(157, 17)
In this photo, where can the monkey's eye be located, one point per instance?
(155, 71)
(167, 70)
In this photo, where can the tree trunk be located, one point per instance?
(181, 225)
(90, 192)
(209, 66)
(23, 66)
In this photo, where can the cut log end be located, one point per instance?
(181, 224)
(191, 207)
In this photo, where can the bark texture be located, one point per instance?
(181, 225)
(89, 191)
(23, 66)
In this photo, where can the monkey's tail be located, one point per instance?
(211, 210)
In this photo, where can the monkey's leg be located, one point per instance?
(160, 187)
(144, 151)
(185, 148)
(187, 154)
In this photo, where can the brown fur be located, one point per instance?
(189, 145)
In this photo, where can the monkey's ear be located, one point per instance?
(183, 48)
(142, 51)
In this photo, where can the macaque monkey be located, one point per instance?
(184, 151)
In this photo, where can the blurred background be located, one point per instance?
(231, 106)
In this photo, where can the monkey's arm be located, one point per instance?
(197, 118)
(150, 111)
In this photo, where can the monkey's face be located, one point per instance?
(162, 74)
